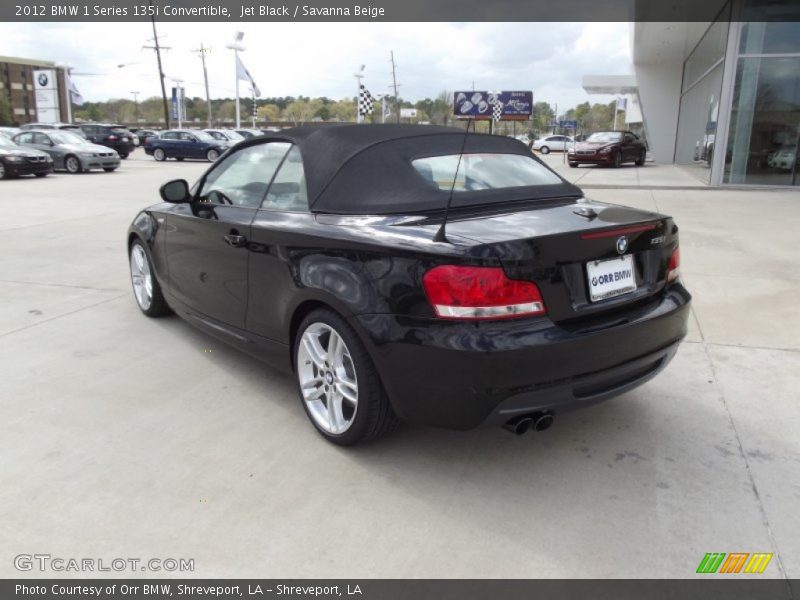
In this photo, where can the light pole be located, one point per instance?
(237, 47)
(136, 106)
(202, 52)
(359, 75)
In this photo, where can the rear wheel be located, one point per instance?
(179, 158)
(339, 386)
(159, 154)
(40, 175)
(641, 159)
(544, 150)
(123, 155)
(212, 155)
(145, 285)
(109, 169)
(72, 164)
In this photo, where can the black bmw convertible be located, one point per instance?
(415, 273)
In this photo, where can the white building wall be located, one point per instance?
(659, 98)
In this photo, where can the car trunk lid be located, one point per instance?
(587, 258)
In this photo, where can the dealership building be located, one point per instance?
(35, 89)
(721, 98)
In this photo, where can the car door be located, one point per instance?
(274, 237)
(189, 146)
(207, 241)
(630, 147)
(168, 142)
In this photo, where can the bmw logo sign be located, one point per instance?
(622, 244)
(43, 79)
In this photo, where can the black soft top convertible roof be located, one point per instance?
(366, 169)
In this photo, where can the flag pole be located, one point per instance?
(238, 115)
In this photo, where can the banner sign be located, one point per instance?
(408, 113)
(480, 105)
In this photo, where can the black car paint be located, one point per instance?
(369, 269)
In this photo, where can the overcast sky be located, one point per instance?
(319, 59)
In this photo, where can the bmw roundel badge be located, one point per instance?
(622, 244)
(43, 79)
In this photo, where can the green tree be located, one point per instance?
(6, 114)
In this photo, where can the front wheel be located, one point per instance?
(145, 285)
(72, 164)
(159, 154)
(544, 150)
(212, 155)
(617, 160)
(573, 164)
(339, 386)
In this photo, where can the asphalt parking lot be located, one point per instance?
(129, 437)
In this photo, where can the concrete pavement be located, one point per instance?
(124, 436)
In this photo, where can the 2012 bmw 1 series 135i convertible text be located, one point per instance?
(415, 273)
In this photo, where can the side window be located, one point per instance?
(243, 177)
(169, 135)
(40, 138)
(288, 190)
(186, 137)
(25, 138)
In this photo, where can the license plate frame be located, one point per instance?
(610, 278)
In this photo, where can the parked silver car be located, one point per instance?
(70, 152)
(9, 132)
(225, 135)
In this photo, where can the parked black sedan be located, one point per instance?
(111, 136)
(331, 253)
(16, 160)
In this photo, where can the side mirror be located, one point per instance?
(175, 191)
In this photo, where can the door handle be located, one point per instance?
(235, 240)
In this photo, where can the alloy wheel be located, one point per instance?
(72, 164)
(212, 155)
(141, 278)
(159, 154)
(327, 378)
(2, 170)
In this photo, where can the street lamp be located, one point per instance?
(237, 47)
(359, 75)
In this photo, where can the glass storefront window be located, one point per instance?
(710, 50)
(770, 28)
(764, 133)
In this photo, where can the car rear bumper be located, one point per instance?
(465, 375)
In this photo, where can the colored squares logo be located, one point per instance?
(734, 562)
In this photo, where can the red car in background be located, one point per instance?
(609, 148)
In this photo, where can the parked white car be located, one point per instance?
(557, 143)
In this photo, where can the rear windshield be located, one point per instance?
(483, 172)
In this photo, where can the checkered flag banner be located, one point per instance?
(497, 111)
(365, 102)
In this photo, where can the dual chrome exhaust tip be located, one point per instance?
(536, 421)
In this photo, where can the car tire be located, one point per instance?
(212, 155)
(641, 159)
(72, 164)
(617, 159)
(159, 154)
(40, 175)
(123, 155)
(573, 164)
(4, 174)
(146, 290)
(544, 150)
(319, 379)
(179, 158)
(109, 169)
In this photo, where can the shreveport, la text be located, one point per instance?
(168, 589)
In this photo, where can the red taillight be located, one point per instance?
(674, 267)
(457, 292)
